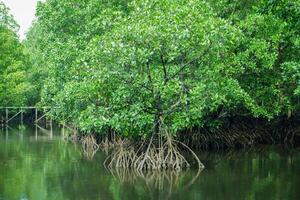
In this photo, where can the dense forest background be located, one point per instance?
(135, 66)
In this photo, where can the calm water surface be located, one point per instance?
(39, 165)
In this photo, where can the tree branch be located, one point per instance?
(186, 64)
(164, 69)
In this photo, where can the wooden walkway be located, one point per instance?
(12, 112)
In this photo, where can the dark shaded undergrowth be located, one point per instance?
(241, 132)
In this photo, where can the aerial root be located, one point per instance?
(122, 155)
(165, 180)
(167, 156)
(89, 146)
(150, 156)
(109, 142)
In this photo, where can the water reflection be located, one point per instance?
(165, 183)
(38, 165)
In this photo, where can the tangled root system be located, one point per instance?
(89, 146)
(152, 155)
(159, 152)
(123, 155)
(166, 156)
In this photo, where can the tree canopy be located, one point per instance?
(135, 66)
(14, 85)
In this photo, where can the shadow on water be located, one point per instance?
(36, 164)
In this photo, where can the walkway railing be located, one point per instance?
(12, 112)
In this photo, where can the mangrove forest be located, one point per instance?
(152, 89)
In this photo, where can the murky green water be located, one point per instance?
(40, 166)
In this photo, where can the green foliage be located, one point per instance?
(6, 19)
(14, 85)
(38, 70)
(134, 66)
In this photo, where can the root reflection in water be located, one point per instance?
(89, 146)
(164, 183)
